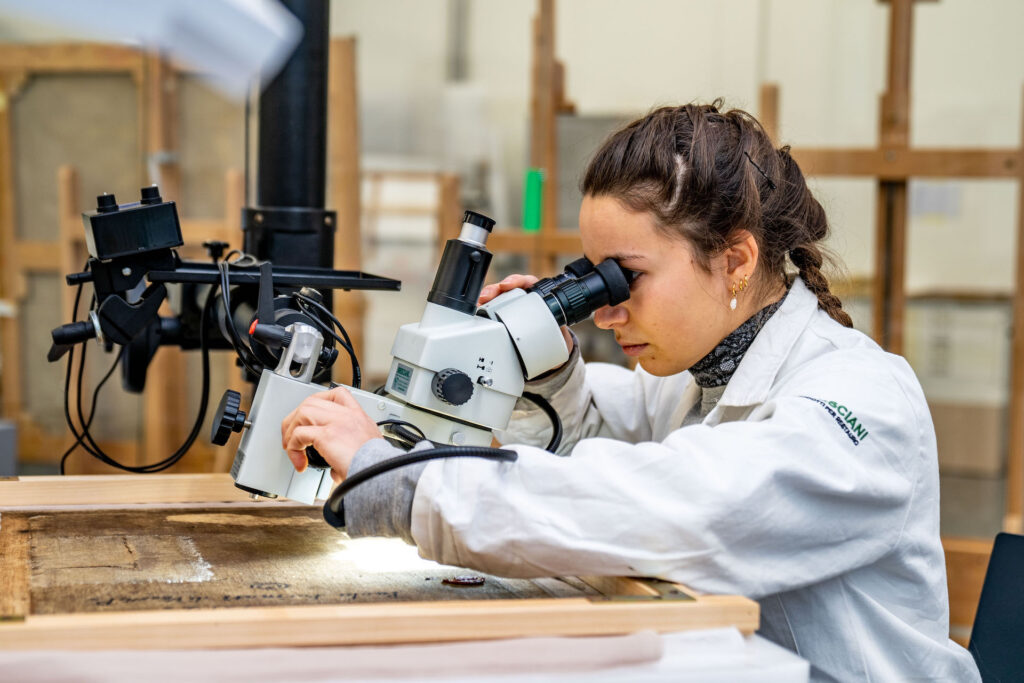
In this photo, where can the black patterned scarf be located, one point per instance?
(717, 368)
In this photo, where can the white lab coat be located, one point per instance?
(812, 486)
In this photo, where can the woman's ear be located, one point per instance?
(741, 255)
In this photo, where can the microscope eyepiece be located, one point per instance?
(572, 298)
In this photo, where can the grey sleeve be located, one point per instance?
(382, 506)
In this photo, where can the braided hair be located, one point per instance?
(705, 174)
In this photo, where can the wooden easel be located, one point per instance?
(547, 101)
(893, 163)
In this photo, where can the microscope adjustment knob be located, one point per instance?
(452, 386)
(228, 417)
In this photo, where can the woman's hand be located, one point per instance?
(511, 282)
(517, 282)
(332, 423)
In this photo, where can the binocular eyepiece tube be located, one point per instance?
(572, 298)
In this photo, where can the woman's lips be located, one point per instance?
(633, 349)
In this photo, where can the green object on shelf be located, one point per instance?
(533, 199)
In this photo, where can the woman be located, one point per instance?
(762, 447)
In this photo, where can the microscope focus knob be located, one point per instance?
(228, 417)
(452, 386)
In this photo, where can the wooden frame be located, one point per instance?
(630, 604)
(164, 412)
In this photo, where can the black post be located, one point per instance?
(290, 226)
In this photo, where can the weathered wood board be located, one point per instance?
(258, 556)
(163, 562)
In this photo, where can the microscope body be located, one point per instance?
(456, 374)
(261, 466)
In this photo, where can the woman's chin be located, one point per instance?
(660, 367)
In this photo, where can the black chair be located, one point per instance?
(997, 639)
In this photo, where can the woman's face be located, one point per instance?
(677, 312)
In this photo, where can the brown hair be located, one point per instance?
(704, 174)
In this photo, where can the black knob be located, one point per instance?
(73, 333)
(106, 203)
(316, 460)
(150, 195)
(228, 417)
(452, 386)
(215, 248)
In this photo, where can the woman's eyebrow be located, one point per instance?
(627, 257)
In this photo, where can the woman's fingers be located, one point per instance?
(312, 411)
(511, 282)
(298, 440)
(340, 396)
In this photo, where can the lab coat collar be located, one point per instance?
(756, 373)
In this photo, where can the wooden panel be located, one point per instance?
(37, 256)
(889, 293)
(561, 242)
(449, 210)
(768, 112)
(372, 624)
(211, 137)
(966, 563)
(89, 121)
(895, 122)
(84, 57)
(171, 558)
(159, 104)
(10, 280)
(14, 567)
(344, 192)
(118, 563)
(117, 489)
(971, 437)
(901, 164)
(546, 94)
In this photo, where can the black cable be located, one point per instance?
(244, 353)
(556, 422)
(67, 375)
(403, 423)
(347, 345)
(96, 451)
(401, 434)
(333, 506)
(303, 303)
(92, 409)
(357, 377)
(326, 311)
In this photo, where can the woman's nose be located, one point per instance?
(608, 317)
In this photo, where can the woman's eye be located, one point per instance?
(632, 276)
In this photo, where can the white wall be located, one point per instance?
(828, 56)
